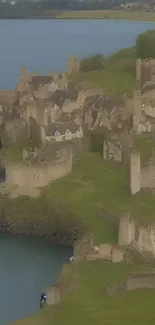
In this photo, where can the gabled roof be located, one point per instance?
(61, 128)
(38, 81)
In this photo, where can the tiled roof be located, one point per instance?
(61, 128)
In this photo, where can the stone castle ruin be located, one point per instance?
(51, 110)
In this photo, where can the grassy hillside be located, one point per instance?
(89, 304)
(118, 76)
(95, 185)
(100, 14)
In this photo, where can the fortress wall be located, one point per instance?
(22, 179)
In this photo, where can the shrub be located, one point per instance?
(145, 45)
(95, 62)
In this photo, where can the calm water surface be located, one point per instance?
(44, 45)
(27, 267)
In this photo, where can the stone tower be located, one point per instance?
(73, 64)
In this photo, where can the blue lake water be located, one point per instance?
(27, 267)
(44, 45)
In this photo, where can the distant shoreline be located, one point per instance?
(90, 14)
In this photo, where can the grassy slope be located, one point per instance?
(100, 14)
(92, 186)
(118, 75)
(90, 305)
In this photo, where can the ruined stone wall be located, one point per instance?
(141, 237)
(147, 178)
(73, 64)
(134, 172)
(133, 282)
(112, 151)
(83, 247)
(145, 241)
(22, 179)
(140, 281)
(126, 230)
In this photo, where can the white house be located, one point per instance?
(62, 131)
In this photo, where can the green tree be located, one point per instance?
(145, 45)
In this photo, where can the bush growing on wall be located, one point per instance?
(92, 63)
(145, 45)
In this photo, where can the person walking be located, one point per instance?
(43, 299)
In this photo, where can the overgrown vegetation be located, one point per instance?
(145, 45)
(41, 217)
(117, 76)
(95, 62)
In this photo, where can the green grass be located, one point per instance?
(89, 304)
(100, 14)
(146, 144)
(91, 187)
(118, 76)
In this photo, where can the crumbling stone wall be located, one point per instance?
(22, 179)
(112, 151)
(126, 230)
(135, 172)
(147, 178)
(141, 237)
(140, 281)
(73, 64)
(83, 247)
(133, 282)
